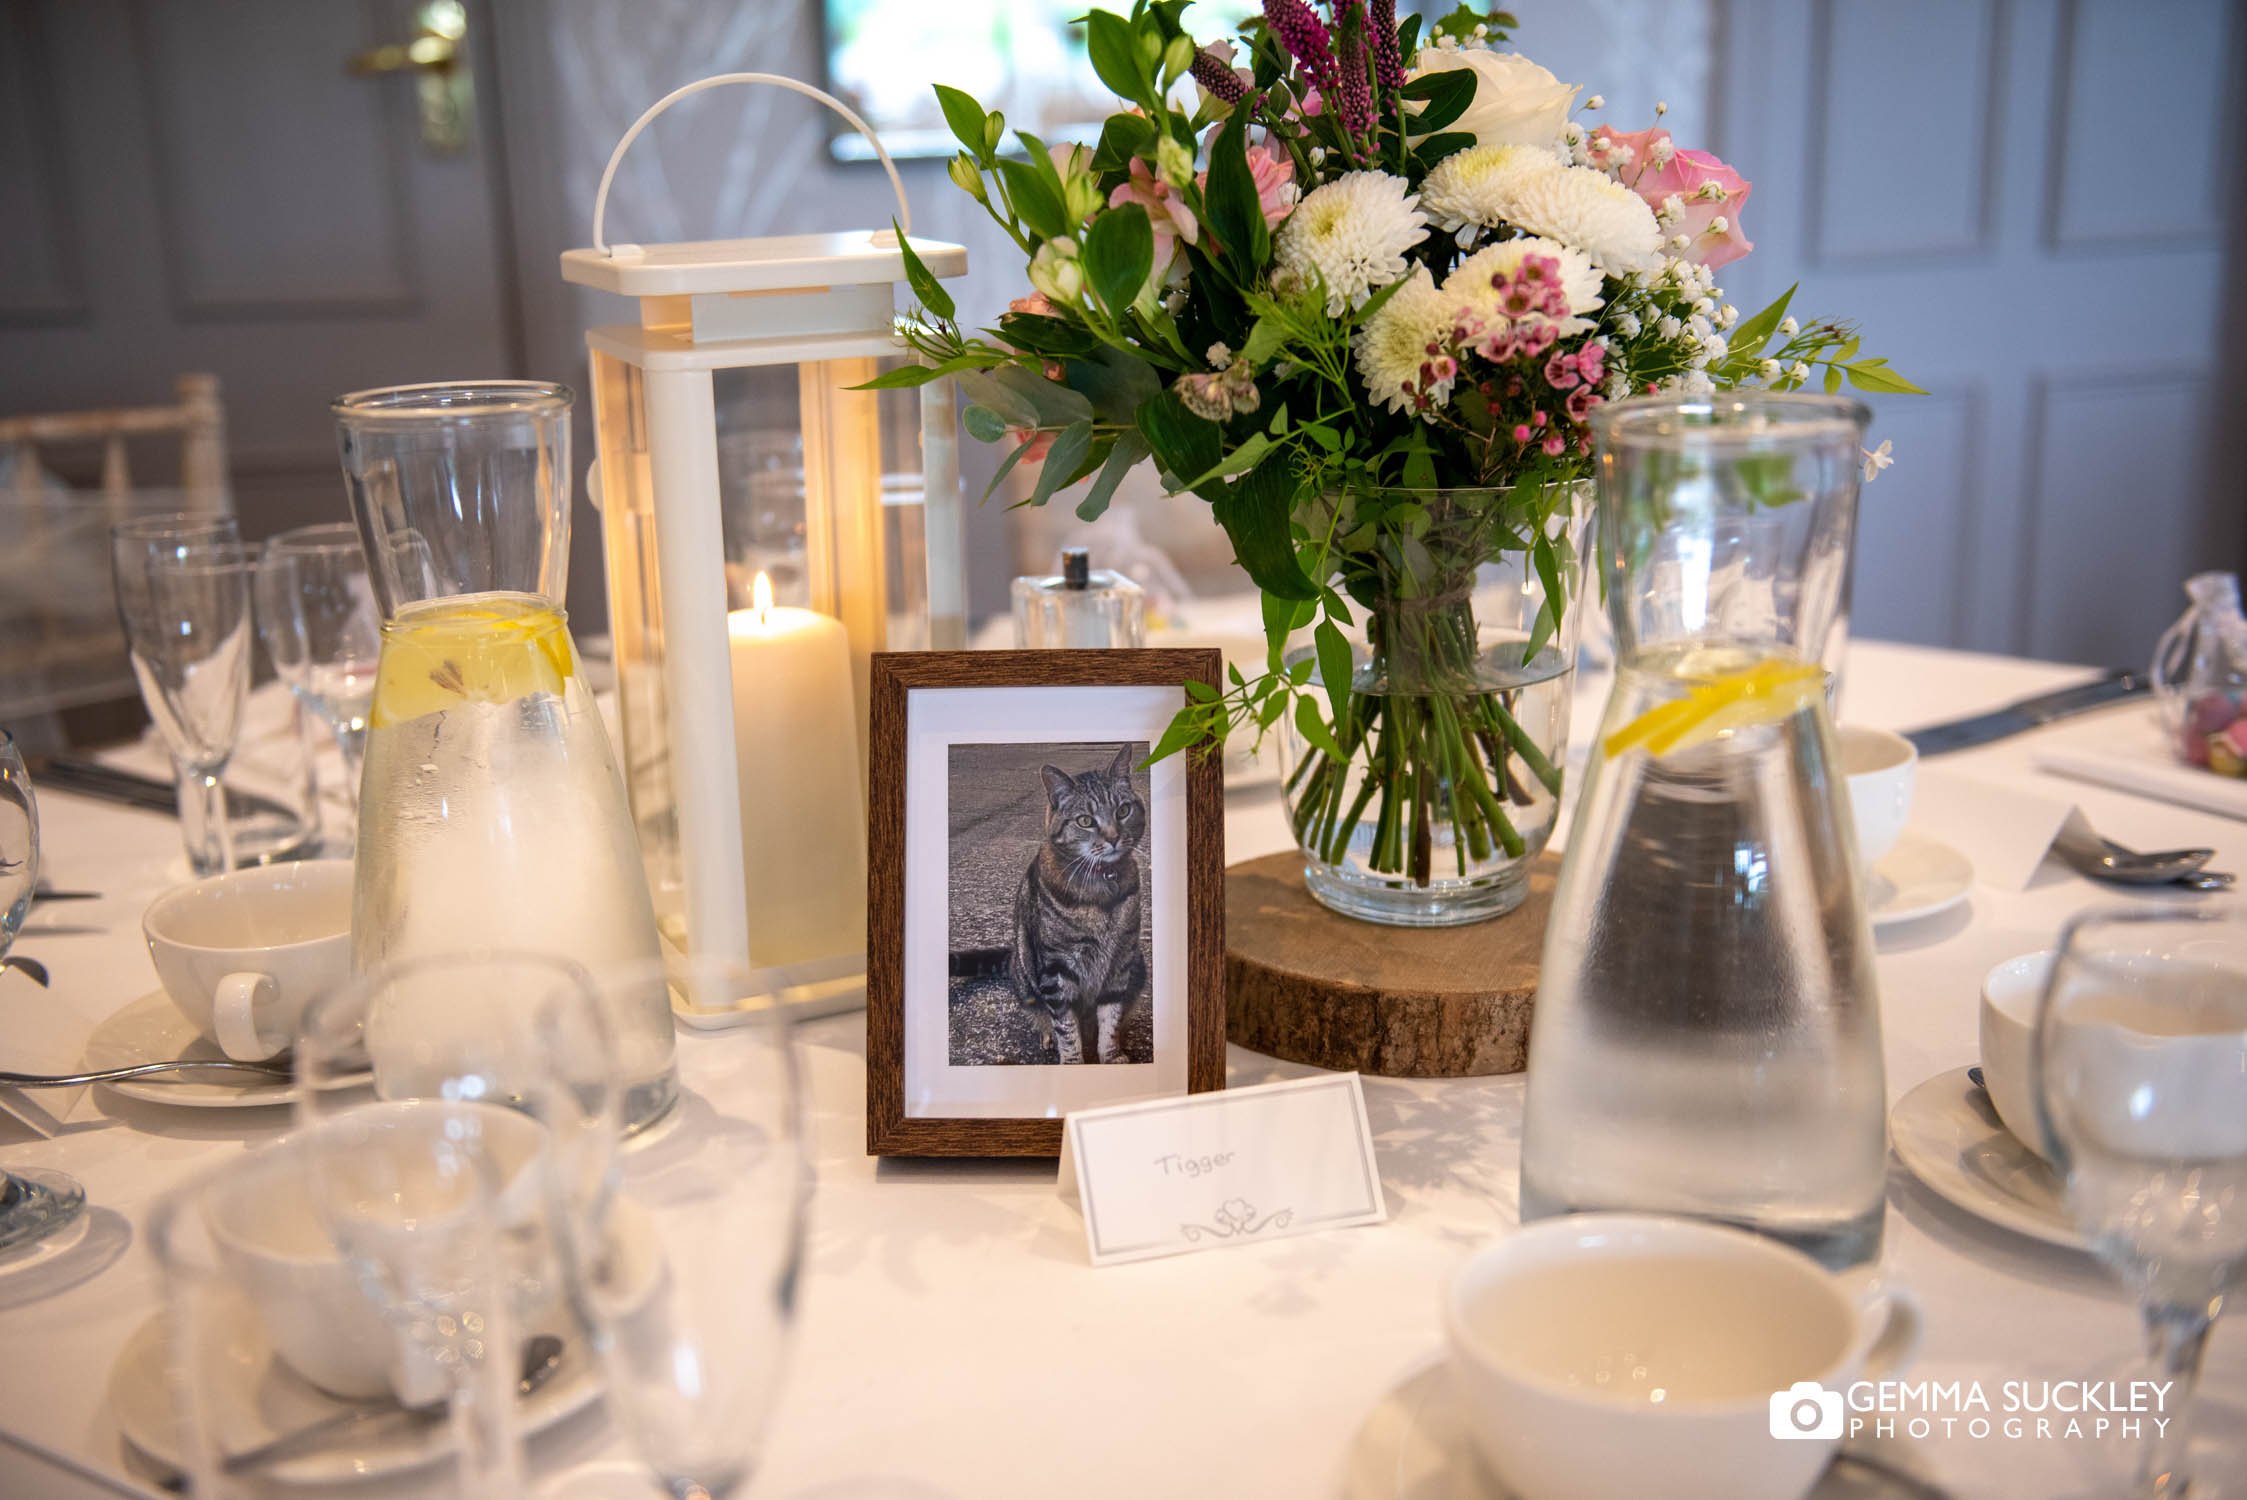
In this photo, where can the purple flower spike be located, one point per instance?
(1388, 67)
(1211, 72)
(1353, 95)
(1305, 37)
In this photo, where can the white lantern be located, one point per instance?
(768, 528)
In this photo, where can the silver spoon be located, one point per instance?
(29, 968)
(542, 1356)
(277, 1069)
(2104, 859)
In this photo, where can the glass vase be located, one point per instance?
(1456, 722)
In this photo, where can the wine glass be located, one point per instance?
(183, 597)
(316, 614)
(692, 1297)
(33, 1204)
(466, 1050)
(2139, 1072)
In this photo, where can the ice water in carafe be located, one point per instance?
(1707, 1033)
(491, 809)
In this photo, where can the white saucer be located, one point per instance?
(1945, 1132)
(1415, 1446)
(263, 1399)
(151, 1029)
(1918, 878)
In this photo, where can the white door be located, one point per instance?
(2022, 202)
(204, 186)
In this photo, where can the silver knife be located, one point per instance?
(2029, 713)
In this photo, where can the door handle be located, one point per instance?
(444, 86)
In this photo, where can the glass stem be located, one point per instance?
(351, 739)
(203, 821)
(2175, 1339)
(483, 1421)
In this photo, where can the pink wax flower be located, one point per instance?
(1172, 220)
(1705, 188)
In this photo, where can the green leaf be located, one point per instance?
(1448, 93)
(1035, 202)
(965, 116)
(1748, 339)
(1182, 443)
(1833, 379)
(1254, 511)
(1243, 458)
(1006, 467)
(1337, 668)
(1121, 139)
(1129, 449)
(1184, 730)
(1025, 397)
(1062, 461)
(1282, 618)
(983, 424)
(926, 287)
(1264, 339)
(903, 378)
(1235, 214)
(1115, 56)
(1200, 691)
(1119, 252)
(1436, 147)
(1871, 376)
(1116, 382)
(1313, 728)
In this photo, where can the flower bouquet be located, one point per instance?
(1360, 289)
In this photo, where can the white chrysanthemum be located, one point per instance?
(1352, 233)
(1474, 188)
(1591, 211)
(1393, 344)
(1470, 283)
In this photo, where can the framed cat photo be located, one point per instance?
(1046, 909)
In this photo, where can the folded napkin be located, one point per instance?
(2147, 776)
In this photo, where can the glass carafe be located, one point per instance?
(491, 811)
(1707, 1032)
(2200, 673)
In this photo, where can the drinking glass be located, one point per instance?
(33, 1204)
(2139, 1072)
(359, 1261)
(316, 614)
(183, 596)
(692, 1299)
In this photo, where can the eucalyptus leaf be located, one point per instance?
(983, 424)
(1062, 461)
(1130, 448)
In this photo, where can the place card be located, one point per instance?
(1204, 1171)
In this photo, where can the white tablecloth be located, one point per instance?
(954, 1342)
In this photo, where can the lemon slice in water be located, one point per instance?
(1766, 693)
(481, 649)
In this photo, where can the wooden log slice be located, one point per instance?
(1312, 986)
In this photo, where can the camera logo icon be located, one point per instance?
(1806, 1409)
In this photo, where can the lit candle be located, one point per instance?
(803, 819)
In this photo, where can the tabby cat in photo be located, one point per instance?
(1077, 961)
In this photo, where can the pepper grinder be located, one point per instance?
(1078, 608)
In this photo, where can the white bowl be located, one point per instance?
(1621, 1356)
(2010, 993)
(1881, 766)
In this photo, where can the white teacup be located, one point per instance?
(265, 1222)
(2010, 993)
(243, 952)
(1880, 766)
(1617, 1356)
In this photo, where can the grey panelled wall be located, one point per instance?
(2023, 201)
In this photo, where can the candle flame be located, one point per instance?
(760, 597)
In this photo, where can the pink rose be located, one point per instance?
(1171, 219)
(1706, 190)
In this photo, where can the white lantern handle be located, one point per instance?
(608, 173)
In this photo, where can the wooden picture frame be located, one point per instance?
(950, 1046)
